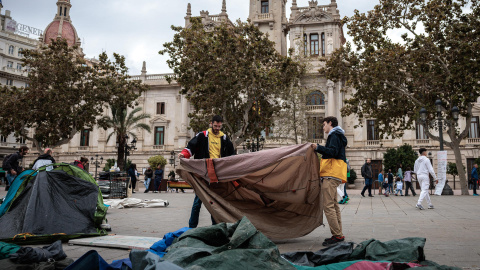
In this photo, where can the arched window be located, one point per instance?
(10, 49)
(316, 98)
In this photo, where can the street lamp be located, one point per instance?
(132, 147)
(172, 159)
(455, 115)
(97, 163)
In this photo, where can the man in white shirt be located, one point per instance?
(423, 168)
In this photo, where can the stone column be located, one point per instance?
(330, 99)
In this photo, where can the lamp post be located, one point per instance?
(128, 148)
(254, 146)
(97, 163)
(172, 159)
(447, 190)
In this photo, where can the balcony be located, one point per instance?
(317, 141)
(474, 141)
(159, 147)
(264, 16)
(315, 108)
(372, 143)
(83, 148)
(422, 142)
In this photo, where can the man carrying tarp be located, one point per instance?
(211, 143)
(333, 172)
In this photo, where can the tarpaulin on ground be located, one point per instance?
(52, 202)
(370, 254)
(160, 246)
(226, 246)
(277, 189)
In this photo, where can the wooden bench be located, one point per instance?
(178, 184)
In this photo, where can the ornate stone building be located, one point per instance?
(314, 31)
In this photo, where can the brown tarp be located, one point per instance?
(277, 189)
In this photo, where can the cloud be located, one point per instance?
(137, 29)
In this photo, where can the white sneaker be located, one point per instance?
(431, 207)
(420, 207)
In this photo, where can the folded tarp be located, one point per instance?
(277, 189)
(135, 203)
(226, 246)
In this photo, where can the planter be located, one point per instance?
(350, 186)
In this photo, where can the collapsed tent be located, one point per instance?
(278, 189)
(65, 201)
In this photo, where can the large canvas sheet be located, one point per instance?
(279, 190)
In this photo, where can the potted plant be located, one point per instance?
(351, 179)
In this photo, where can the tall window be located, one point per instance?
(21, 140)
(305, 44)
(372, 132)
(19, 66)
(314, 44)
(420, 131)
(160, 107)
(316, 98)
(323, 44)
(3, 138)
(20, 52)
(11, 49)
(159, 136)
(65, 12)
(474, 131)
(315, 128)
(60, 11)
(9, 82)
(84, 137)
(10, 64)
(264, 6)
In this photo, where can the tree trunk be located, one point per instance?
(460, 168)
(121, 155)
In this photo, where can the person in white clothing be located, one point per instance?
(423, 168)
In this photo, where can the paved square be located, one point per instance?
(452, 229)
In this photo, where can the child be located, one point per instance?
(380, 182)
(385, 187)
(399, 187)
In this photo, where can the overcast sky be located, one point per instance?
(137, 29)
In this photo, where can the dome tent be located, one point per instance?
(59, 204)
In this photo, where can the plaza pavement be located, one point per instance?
(452, 229)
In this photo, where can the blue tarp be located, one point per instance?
(160, 246)
(12, 191)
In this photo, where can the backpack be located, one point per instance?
(4, 163)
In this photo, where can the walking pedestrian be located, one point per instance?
(423, 168)
(380, 182)
(390, 181)
(408, 182)
(12, 164)
(367, 173)
(148, 178)
(132, 172)
(333, 172)
(475, 179)
(211, 143)
(158, 178)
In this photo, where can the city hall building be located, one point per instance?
(313, 29)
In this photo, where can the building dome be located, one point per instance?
(61, 26)
(62, 29)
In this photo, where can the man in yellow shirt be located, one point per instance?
(211, 143)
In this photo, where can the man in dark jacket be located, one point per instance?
(367, 173)
(211, 143)
(475, 178)
(333, 172)
(12, 164)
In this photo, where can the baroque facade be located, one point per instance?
(312, 30)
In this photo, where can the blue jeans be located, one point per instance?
(390, 187)
(147, 182)
(197, 204)
(10, 178)
(157, 184)
(368, 185)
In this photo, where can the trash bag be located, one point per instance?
(332, 254)
(35, 255)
